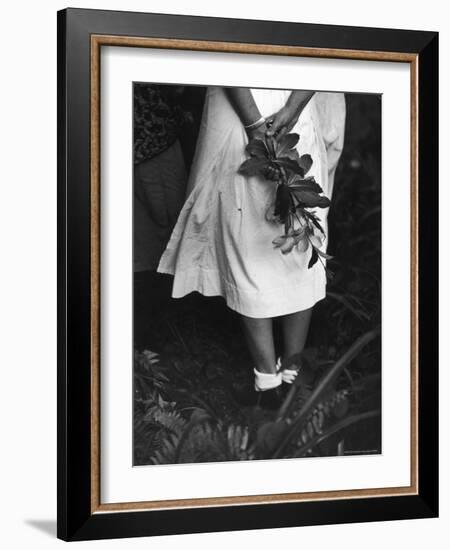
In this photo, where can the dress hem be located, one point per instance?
(181, 289)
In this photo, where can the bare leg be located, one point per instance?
(259, 336)
(295, 331)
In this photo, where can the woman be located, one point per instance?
(222, 242)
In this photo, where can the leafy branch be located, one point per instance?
(296, 193)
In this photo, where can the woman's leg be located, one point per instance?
(259, 336)
(295, 331)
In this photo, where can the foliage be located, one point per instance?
(278, 160)
(308, 417)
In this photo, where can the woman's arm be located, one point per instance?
(244, 105)
(298, 100)
(285, 119)
(246, 109)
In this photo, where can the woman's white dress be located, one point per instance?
(222, 242)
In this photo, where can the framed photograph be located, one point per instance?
(248, 304)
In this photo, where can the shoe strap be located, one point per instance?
(287, 375)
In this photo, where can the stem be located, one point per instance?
(324, 384)
(334, 429)
(294, 198)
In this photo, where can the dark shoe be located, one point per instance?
(299, 363)
(285, 388)
(268, 399)
(271, 399)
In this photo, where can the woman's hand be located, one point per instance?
(259, 132)
(286, 118)
(283, 121)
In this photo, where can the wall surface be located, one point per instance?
(28, 272)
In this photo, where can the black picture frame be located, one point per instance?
(76, 520)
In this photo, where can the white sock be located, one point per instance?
(266, 381)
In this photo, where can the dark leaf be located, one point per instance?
(257, 148)
(308, 184)
(310, 199)
(323, 202)
(291, 165)
(314, 220)
(282, 203)
(293, 154)
(285, 143)
(305, 162)
(253, 166)
(287, 225)
(314, 258)
(271, 144)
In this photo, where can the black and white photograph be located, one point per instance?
(222, 284)
(257, 274)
